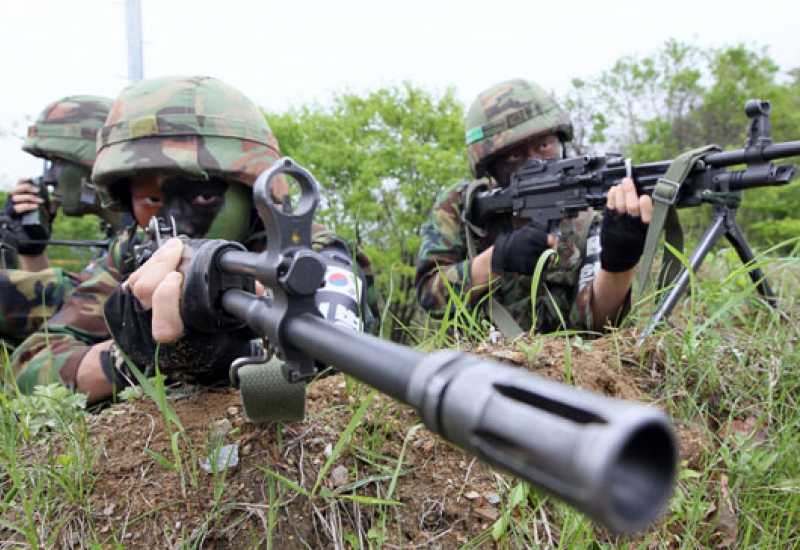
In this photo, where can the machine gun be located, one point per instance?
(544, 192)
(613, 460)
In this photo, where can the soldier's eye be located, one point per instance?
(207, 200)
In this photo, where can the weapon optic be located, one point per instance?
(613, 460)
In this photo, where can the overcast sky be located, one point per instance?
(293, 51)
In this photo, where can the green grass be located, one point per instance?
(725, 364)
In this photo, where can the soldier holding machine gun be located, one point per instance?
(195, 168)
(587, 285)
(488, 235)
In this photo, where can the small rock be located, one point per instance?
(233, 411)
(492, 498)
(224, 457)
(108, 510)
(328, 450)
(177, 525)
(487, 513)
(247, 449)
(220, 429)
(472, 495)
(340, 476)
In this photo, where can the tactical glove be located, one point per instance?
(21, 232)
(198, 358)
(622, 239)
(519, 250)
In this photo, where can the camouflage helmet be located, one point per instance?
(507, 114)
(67, 129)
(191, 126)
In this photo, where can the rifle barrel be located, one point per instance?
(755, 154)
(611, 459)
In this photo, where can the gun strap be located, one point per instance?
(497, 312)
(665, 195)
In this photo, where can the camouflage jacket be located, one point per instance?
(53, 354)
(29, 298)
(566, 292)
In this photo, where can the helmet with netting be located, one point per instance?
(196, 127)
(508, 114)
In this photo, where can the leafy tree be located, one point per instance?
(682, 97)
(381, 159)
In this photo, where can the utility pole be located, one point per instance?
(133, 25)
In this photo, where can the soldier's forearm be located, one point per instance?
(90, 378)
(608, 296)
(39, 262)
(481, 269)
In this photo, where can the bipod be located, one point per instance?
(724, 224)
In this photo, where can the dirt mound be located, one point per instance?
(151, 492)
(150, 504)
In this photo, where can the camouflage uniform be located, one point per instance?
(65, 131)
(197, 126)
(566, 291)
(502, 117)
(53, 356)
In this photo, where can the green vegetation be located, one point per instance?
(726, 370)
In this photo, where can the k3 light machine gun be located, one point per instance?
(611, 459)
(544, 192)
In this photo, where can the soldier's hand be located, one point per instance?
(624, 229)
(144, 318)
(24, 197)
(519, 250)
(157, 285)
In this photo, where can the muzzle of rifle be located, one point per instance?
(613, 460)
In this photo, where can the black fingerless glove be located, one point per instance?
(519, 250)
(622, 239)
(21, 233)
(197, 358)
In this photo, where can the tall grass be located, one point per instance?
(726, 365)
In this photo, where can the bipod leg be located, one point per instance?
(668, 303)
(735, 236)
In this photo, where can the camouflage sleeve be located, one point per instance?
(442, 263)
(53, 354)
(580, 314)
(27, 299)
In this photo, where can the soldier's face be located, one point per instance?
(543, 147)
(192, 203)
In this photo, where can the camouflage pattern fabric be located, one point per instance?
(67, 129)
(566, 292)
(197, 126)
(507, 114)
(53, 355)
(27, 299)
